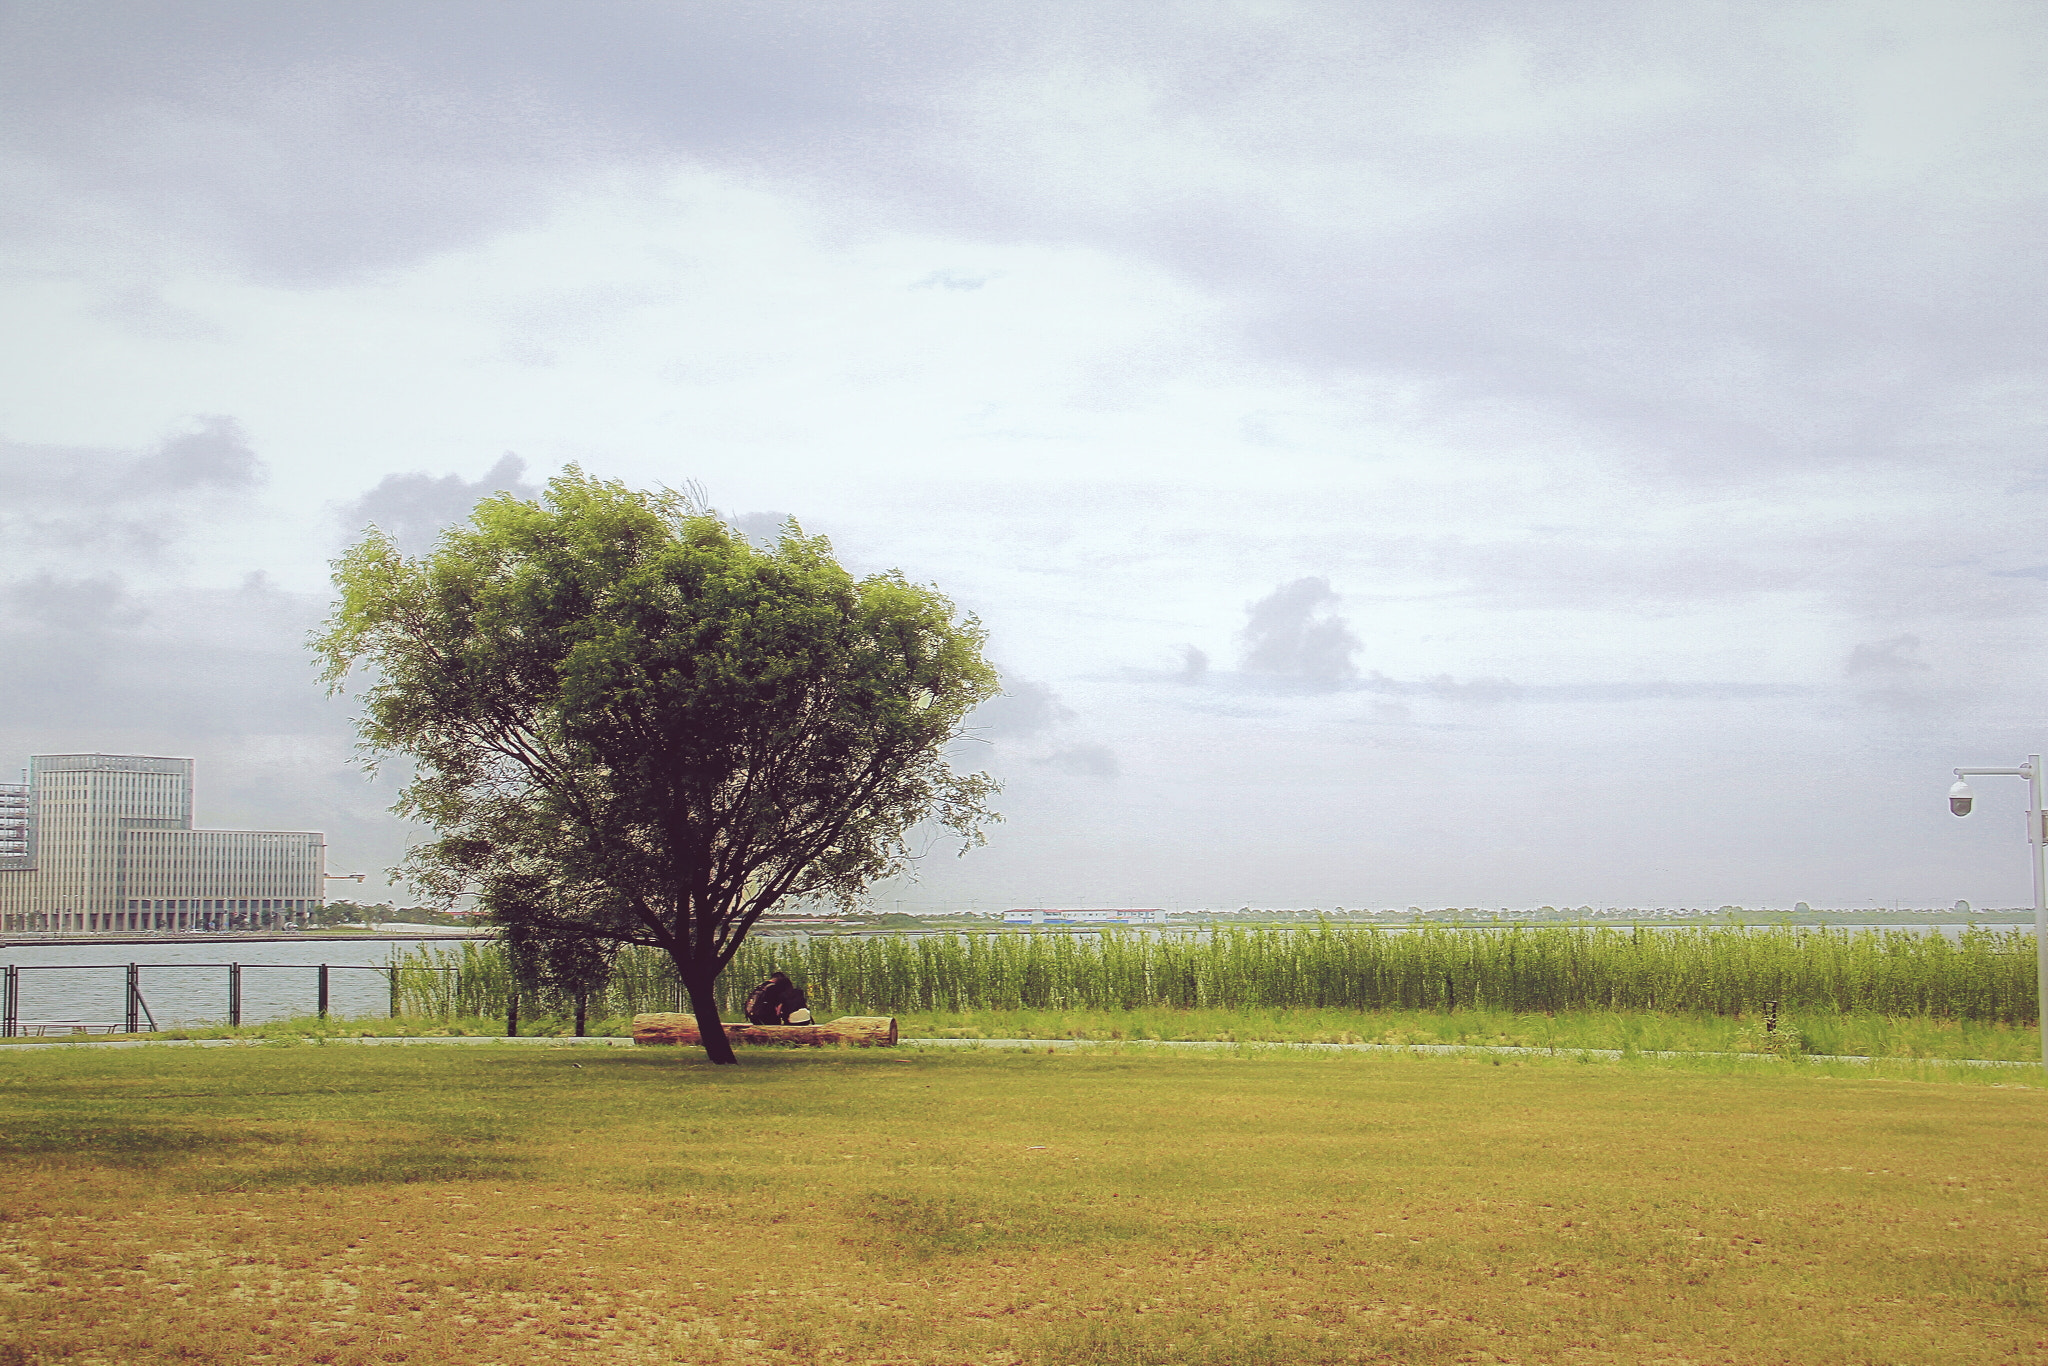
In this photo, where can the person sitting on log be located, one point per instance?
(779, 1001)
(762, 1000)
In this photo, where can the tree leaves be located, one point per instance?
(631, 725)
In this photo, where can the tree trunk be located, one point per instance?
(710, 1031)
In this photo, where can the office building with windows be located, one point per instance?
(104, 843)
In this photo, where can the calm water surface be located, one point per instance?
(186, 983)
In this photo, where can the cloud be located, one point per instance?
(221, 674)
(1021, 711)
(94, 502)
(1194, 664)
(763, 529)
(1646, 228)
(946, 279)
(413, 509)
(73, 604)
(1085, 761)
(1494, 691)
(1657, 226)
(206, 663)
(308, 146)
(1031, 717)
(1885, 656)
(1291, 634)
(215, 457)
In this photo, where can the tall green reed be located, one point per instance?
(1980, 975)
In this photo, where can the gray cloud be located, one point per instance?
(333, 140)
(1885, 656)
(764, 529)
(1291, 634)
(72, 604)
(1194, 664)
(414, 508)
(77, 500)
(1021, 711)
(1084, 761)
(1678, 232)
(200, 662)
(947, 279)
(107, 649)
(1659, 253)
(1030, 718)
(1494, 691)
(215, 457)
(221, 674)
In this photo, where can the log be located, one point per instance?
(848, 1031)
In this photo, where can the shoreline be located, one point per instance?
(86, 940)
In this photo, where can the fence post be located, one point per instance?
(323, 991)
(234, 995)
(134, 991)
(512, 1015)
(10, 1002)
(394, 993)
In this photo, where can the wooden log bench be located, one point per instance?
(41, 1028)
(851, 1031)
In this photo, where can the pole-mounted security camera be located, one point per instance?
(1960, 800)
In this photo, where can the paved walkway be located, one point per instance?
(1434, 1048)
(1427, 1049)
(537, 1041)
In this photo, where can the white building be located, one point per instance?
(1084, 917)
(104, 842)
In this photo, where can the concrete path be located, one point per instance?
(537, 1041)
(1426, 1049)
(1432, 1049)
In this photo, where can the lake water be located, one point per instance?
(187, 983)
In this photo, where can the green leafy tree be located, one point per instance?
(629, 725)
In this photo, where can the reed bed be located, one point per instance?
(1983, 975)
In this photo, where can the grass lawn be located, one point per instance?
(1830, 1033)
(1639, 1031)
(477, 1205)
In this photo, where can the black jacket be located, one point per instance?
(774, 1002)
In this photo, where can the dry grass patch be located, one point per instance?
(476, 1206)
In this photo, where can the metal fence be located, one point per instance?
(137, 1018)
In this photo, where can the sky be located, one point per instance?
(1435, 453)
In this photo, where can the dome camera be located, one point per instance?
(1960, 798)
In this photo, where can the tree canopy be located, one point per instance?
(628, 724)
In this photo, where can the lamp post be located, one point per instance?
(1960, 800)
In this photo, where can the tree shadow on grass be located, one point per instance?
(408, 1165)
(246, 1157)
(922, 1226)
(129, 1145)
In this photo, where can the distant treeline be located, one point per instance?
(1977, 975)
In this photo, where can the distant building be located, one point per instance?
(104, 842)
(1084, 917)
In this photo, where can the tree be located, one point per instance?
(630, 725)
